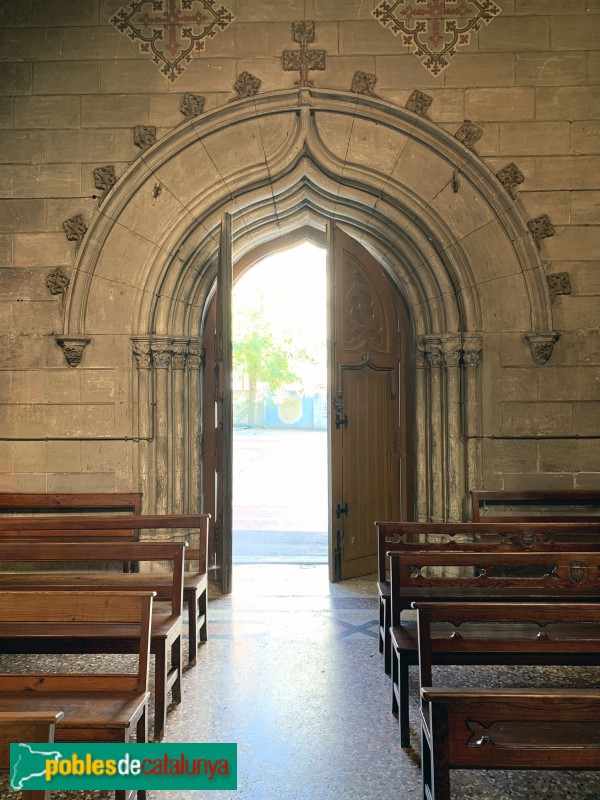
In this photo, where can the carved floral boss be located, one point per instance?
(172, 31)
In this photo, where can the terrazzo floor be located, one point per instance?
(292, 673)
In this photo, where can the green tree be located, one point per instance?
(265, 363)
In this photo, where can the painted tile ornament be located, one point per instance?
(435, 29)
(171, 32)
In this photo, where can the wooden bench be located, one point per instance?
(166, 630)
(549, 505)
(477, 576)
(26, 726)
(98, 707)
(506, 728)
(109, 527)
(510, 535)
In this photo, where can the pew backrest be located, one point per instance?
(493, 537)
(78, 610)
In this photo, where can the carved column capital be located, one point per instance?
(433, 351)
(180, 353)
(451, 349)
(73, 347)
(161, 353)
(471, 349)
(140, 347)
(542, 345)
(195, 354)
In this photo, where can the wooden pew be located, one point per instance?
(166, 631)
(506, 728)
(478, 576)
(560, 505)
(26, 726)
(98, 707)
(110, 527)
(508, 535)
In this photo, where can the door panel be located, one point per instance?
(364, 430)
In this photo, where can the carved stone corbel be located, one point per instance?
(469, 134)
(542, 345)
(73, 347)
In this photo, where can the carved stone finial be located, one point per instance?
(192, 105)
(246, 85)
(304, 60)
(144, 136)
(104, 179)
(419, 102)
(73, 347)
(510, 177)
(75, 229)
(57, 281)
(559, 283)
(542, 345)
(364, 83)
(469, 134)
(541, 228)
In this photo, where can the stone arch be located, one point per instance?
(464, 261)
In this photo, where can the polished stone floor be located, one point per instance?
(292, 673)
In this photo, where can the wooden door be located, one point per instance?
(365, 432)
(223, 529)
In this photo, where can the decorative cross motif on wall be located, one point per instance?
(435, 28)
(171, 31)
(304, 60)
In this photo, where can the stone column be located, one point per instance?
(142, 411)
(433, 354)
(194, 426)
(472, 408)
(161, 357)
(179, 445)
(454, 462)
(421, 437)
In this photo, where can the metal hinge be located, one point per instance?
(340, 510)
(339, 421)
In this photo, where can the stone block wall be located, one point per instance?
(72, 88)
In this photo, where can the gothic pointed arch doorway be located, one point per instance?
(460, 250)
(370, 452)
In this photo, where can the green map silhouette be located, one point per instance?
(29, 764)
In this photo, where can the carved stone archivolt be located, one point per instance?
(105, 178)
(304, 60)
(144, 136)
(192, 105)
(542, 345)
(364, 83)
(419, 102)
(469, 134)
(75, 229)
(73, 347)
(510, 177)
(541, 228)
(246, 85)
(57, 281)
(559, 283)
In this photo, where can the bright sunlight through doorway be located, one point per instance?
(280, 409)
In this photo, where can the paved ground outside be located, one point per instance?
(279, 496)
